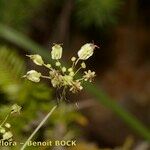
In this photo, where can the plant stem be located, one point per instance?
(46, 77)
(126, 116)
(5, 119)
(38, 127)
(77, 61)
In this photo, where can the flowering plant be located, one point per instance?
(5, 126)
(60, 75)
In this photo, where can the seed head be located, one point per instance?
(37, 59)
(60, 76)
(86, 51)
(33, 76)
(76, 86)
(89, 75)
(56, 52)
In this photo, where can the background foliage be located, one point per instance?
(97, 12)
(65, 21)
(18, 14)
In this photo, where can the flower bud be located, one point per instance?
(71, 73)
(7, 125)
(70, 69)
(2, 130)
(33, 76)
(86, 51)
(37, 59)
(83, 65)
(64, 69)
(56, 52)
(15, 109)
(73, 59)
(7, 135)
(58, 64)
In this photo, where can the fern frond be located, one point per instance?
(12, 67)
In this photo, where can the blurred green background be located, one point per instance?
(115, 112)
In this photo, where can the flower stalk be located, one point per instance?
(38, 127)
(60, 76)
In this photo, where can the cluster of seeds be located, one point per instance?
(61, 76)
(5, 127)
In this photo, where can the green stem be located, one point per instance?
(126, 116)
(5, 120)
(38, 127)
(77, 61)
(46, 77)
(77, 71)
(47, 67)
